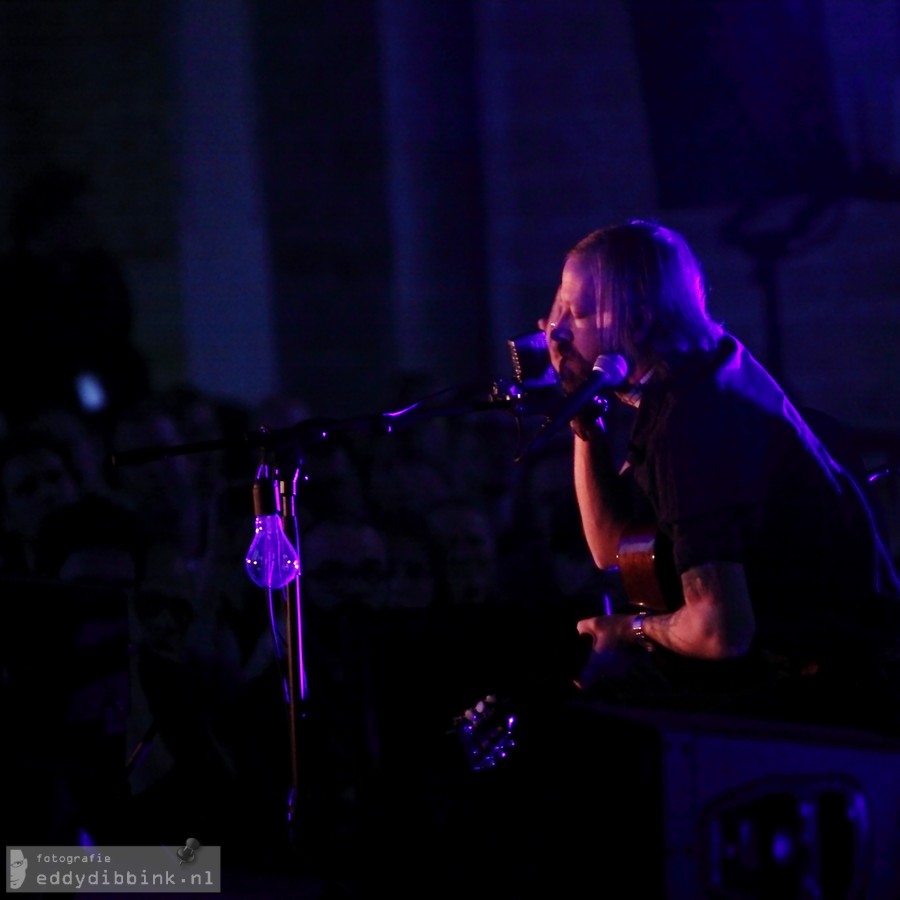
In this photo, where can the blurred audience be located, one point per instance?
(164, 490)
(465, 552)
(412, 563)
(86, 444)
(37, 475)
(331, 481)
(399, 481)
(216, 423)
(483, 470)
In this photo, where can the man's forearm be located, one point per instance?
(716, 620)
(600, 499)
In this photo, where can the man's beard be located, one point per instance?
(574, 372)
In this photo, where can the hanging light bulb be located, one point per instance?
(272, 560)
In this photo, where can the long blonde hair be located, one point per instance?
(649, 289)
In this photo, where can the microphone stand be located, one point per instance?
(501, 396)
(296, 678)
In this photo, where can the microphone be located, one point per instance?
(609, 371)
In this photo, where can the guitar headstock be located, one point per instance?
(486, 732)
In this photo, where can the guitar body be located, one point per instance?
(647, 568)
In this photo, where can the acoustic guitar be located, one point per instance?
(647, 567)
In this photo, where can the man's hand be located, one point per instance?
(612, 648)
(609, 632)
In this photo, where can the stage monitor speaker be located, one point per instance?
(751, 809)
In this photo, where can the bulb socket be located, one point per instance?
(265, 497)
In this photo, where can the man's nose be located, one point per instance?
(560, 333)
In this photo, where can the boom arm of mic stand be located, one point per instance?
(313, 430)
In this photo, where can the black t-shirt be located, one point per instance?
(733, 473)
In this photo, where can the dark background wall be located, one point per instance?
(320, 196)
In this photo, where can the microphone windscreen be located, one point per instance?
(612, 368)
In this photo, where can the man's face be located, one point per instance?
(18, 868)
(35, 483)
(571, 328)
